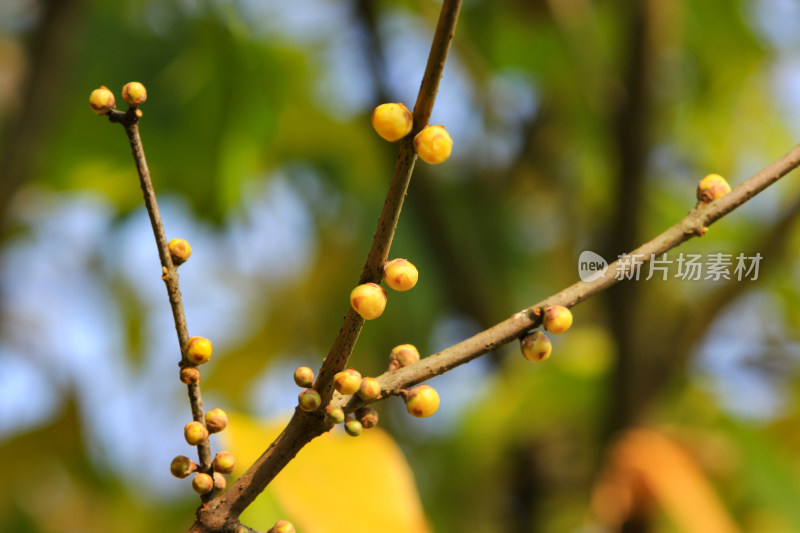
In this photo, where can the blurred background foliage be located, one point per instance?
(579, 125)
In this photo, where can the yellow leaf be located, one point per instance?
(336, 484)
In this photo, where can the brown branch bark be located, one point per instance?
(130, 121)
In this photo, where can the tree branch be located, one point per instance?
(693, 224)
(130, 121)
(398, 186)
(303, 427)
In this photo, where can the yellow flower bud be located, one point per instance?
(400, 274)
(433, 144)
(102, 100)
(422, 401)
(712, 187)
(368, 300)
(535, 346)
(392, 121)
(557, 319)
(134, 93)
(199, 350)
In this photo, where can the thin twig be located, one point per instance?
(130, 121)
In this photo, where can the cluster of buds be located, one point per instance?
(102, 100)
(369, 299)
(204, 482)
(393, 121)
(195, 434)
(308, 399)
(536, 346)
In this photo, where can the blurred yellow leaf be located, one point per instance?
(647, 466)
(335, 484)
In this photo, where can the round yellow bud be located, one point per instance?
(369, 389)
(195, 433)
(712, 187)
(282, 526)
(199, 350)
(392, 121)
(368, 300)
(422, 401)
(216, 420)
(134, 93)
(535, 346)
(179, 250)
(102, 100)
(224, 462)
(400, 274)
(557, 319)
(403, 355)
(304, 377)
(202, 483)
(433, 144)
(347, 381)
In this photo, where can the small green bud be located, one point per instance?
(182, 466)
(353, 427)
(309, 400)
(335, 414)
